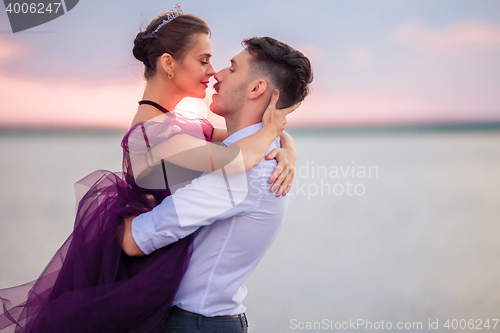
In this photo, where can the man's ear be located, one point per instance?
(258, 88)
(167, 63)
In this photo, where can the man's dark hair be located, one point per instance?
(288, 69)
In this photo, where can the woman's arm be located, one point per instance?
(287, 142)
(219, 135)
(284, 173)
(192, 153)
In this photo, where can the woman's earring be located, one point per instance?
(170, 75)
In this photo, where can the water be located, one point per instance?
(411, 236)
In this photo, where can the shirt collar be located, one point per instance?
(242, 133)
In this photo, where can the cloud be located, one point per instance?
(313, 52)
(456, 64)
(11, 50)
(34, 102)
(452, 37)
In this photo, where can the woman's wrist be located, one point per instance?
(291, 150)
(271, 130)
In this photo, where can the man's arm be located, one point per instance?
(211, 197)
(129, 245)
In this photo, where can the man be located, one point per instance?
(247, 218)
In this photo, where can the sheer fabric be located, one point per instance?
(91, 285)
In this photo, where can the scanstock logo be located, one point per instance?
(25, 15)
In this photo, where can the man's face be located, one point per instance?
(231, 87)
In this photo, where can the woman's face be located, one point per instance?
(191, 75)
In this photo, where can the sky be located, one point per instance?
(375, 62)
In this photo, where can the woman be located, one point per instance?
(91, 284)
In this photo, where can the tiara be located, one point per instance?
(171, 15)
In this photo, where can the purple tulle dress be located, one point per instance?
(91, 285)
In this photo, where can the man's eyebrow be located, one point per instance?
(233, 62)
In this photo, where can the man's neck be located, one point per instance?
(239, 120)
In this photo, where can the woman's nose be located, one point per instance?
(211, 71)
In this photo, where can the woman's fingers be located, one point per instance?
(277, 184)
(271, 116)
(275, 175)
(271, 108)
(290, 109)
(283, 172)
(287, 183)
(283, 184)
(282, 177)
(271, 156)
(287, 189)
(277, 117)
(274, 98)
(282, 164)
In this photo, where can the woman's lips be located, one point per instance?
(205, 84)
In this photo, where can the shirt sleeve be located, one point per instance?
(213, 196)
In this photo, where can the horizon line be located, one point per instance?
(423, 126)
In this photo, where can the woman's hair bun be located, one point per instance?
(140, 49)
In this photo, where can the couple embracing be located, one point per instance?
(167, 244)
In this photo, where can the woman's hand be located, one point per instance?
(276, 117)
(284, 173)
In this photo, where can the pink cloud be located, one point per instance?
(466, 34)
(313, 52)
(57, 103)
(29, 101)
(11, 50)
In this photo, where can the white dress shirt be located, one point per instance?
(236, 219)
